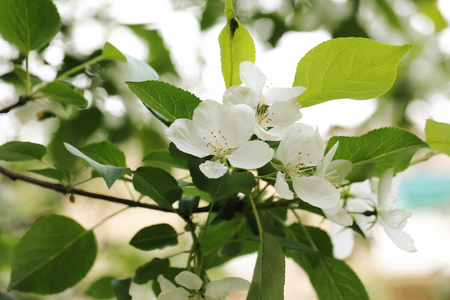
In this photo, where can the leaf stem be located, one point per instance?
(80, 67)
(258, 220)
(109, 217)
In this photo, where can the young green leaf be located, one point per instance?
(151, 270)
(139, 70)
(376, 151)
(28, 24)
(438, 136)
(57, 174)
(54, 254)
(236, 46)
(157, 184)
(121, 288)
(167, 100)
(101, 288)
(155, 237)
(268, 275)
(354, 68)
(105, 153)
(64, 92)
(16, 151)
(108, 172)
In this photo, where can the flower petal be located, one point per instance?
(220, 288)
(337, 170)
(339, 216)
(251, 155)
(176, 294)
(264, 134)
(183, 133)
(213, 169)
(241, 95)
(395, 218)
(343, 241)
(189, 280)
(399, 237)
(316, 191)
(282, 114)
(282, 187)
(385, 198)
(165, 284)
(326, 161)
(252, 77)
(275, 95)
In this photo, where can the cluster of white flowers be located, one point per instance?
(224, 132)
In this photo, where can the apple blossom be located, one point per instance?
(301, 154)
(275, 109)
(222, 131)
(193, 287)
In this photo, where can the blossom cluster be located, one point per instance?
(234, 134)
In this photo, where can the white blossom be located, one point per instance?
(222, 131)
(301, 154)
(275, 109)
(193, 287)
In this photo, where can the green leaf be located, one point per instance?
(51, 173)
(64, 92)
(332, 278)
(376, 151)
(172, 157)
(155, 237)
(438, 136)
(121, 288)
(269, 272)
(188, 205)
(158, 185)
(22, 74)
(101, 288)
(21, 151)
(227, 186)
(165, 99)
(108, 172)
(354, 68)
(54, 254)
(231, 249)
(236, 46)
(151, 270)
(320, 238)
(105, 153)
(29, 24)
(139, 70)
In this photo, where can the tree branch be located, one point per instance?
(21, 102)
(63, 190)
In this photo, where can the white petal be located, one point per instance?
(251, 155)
(183, 133)
(189, 280)
(241, 95)
(400, 238)
(282, 114)
(326, 161)
(385, 189)
(264, 134)
(294, 140)
(220, 288)
(343, 241)
(165, 284)
(337, 170)
(213, 169)
(395, 218)
(283, 94)
(282, 187)
(339, 216)
(176, 294)
(316, 191)
(238, 122)
(252, 77)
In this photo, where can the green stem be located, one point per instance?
(27, 70)
(308, 236)
(109, 217)
(79, 67)
(258, 220)
(195, 254)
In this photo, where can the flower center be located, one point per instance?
(217, 142)
(262, 115)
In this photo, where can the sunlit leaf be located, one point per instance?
(108, 172)
(28, 24)
(236, 46)
(438, 136)
(376, 151)
(64, 92)
(54, 254)
(354, 68)
(167, 100)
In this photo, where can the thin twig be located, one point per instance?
(19, 103)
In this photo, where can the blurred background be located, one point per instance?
(178, 38)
